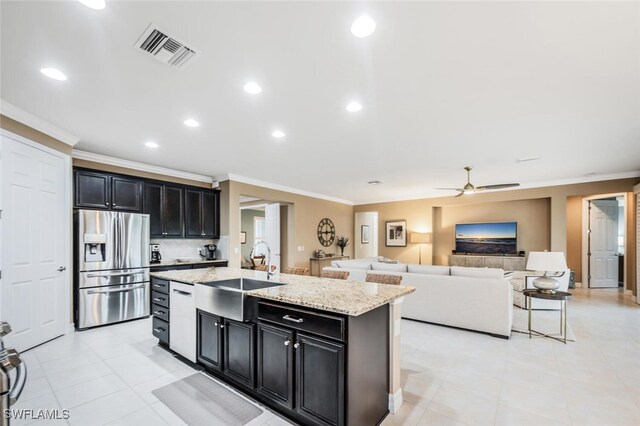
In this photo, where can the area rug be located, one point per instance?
(200, 401)
(547, 322)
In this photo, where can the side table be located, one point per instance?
(562, 296)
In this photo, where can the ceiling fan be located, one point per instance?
(470, 188)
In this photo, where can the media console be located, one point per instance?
(507, 263)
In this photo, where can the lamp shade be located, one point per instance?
(420, 237)
(546, 261)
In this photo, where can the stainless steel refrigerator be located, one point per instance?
(112, 267)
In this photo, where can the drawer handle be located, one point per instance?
(159, 330)
(184, 293)
(160, 285)
(287, 342)
(292, 319)
(159, 312)
(159, 299)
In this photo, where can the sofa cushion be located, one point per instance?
(351, 264)
(428, 269)
(389, 267)
(461, 271)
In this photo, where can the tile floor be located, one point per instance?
(450, 377)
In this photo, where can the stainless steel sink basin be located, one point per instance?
(228, 298)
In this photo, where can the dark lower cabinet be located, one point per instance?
(239, 352)
(209, 342)
(275, 364)
(320, 380)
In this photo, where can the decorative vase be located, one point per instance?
(341, 251)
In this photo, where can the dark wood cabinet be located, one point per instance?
(320, 380)
(164, 205)
(202, 210)
(92, 190)
(96, 190)
(239, 352)
(175, 211)
(275, 364)
(126, 194)
(209, 349)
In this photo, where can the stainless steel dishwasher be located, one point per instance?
(182, 325)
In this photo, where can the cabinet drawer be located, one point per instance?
(304, 320)
(160, 299)
(161, 330)
(160, 285)
(159, 311)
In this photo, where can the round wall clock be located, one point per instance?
(326, 232)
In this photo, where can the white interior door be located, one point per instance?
(603, 263)
(272, 232)
(34, 290)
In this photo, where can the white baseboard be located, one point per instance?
(395, 401)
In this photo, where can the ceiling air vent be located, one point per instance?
(164, 48)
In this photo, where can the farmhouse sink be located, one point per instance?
(228, 298)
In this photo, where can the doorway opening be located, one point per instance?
(604, 231)
(366, 235)
(263, 233)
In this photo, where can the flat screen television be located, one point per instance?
(498, 238)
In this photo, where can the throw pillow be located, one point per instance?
(388, 267)
(428, 269)
(461, 271)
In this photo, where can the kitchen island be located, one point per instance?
(321, 351)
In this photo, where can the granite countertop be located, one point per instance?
(349, 298)
(195, 261)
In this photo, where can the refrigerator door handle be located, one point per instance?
(116, 274)
(120, 290)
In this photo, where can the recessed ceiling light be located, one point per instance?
(94, 4)
(278, 134)
(364, 26)
(53, 73)
(354, 106)
(191, 122)
(252, 88)
(151, 145)
(527, 159)
(374, 182)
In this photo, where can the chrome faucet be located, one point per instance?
(269, 272)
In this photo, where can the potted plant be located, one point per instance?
(342, 242)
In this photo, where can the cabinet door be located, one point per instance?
(126, 194)
(239, 352)
(92, 190)
(320, 380)
(209, 340)
(210, 214)
(275, 364)
(193, 213)
(153, 207)
(173, 211)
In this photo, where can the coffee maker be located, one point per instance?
(155, 253)
(209, 251)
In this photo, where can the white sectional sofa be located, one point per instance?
(478, 299)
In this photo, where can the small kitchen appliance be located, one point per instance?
(155, 253)
(209, 251)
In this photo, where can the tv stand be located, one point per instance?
(506, 263)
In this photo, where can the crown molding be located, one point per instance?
(284, 188)
(533, 185)
(104, 159)
(34, 122)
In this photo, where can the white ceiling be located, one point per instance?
(443, 85)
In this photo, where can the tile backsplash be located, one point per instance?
(173, 249)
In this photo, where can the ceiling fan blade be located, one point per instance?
(451, 189)
(498, 186)
(460, 194)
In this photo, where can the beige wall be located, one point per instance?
(132, 172)
(304, 214)
(33, 134)
(533, 218)
(574, 235)
(420, 215)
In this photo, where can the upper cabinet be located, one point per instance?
(95, 190)
(175, 211)
(202, 212)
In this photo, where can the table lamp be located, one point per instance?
(546, 261)
(420, 238)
